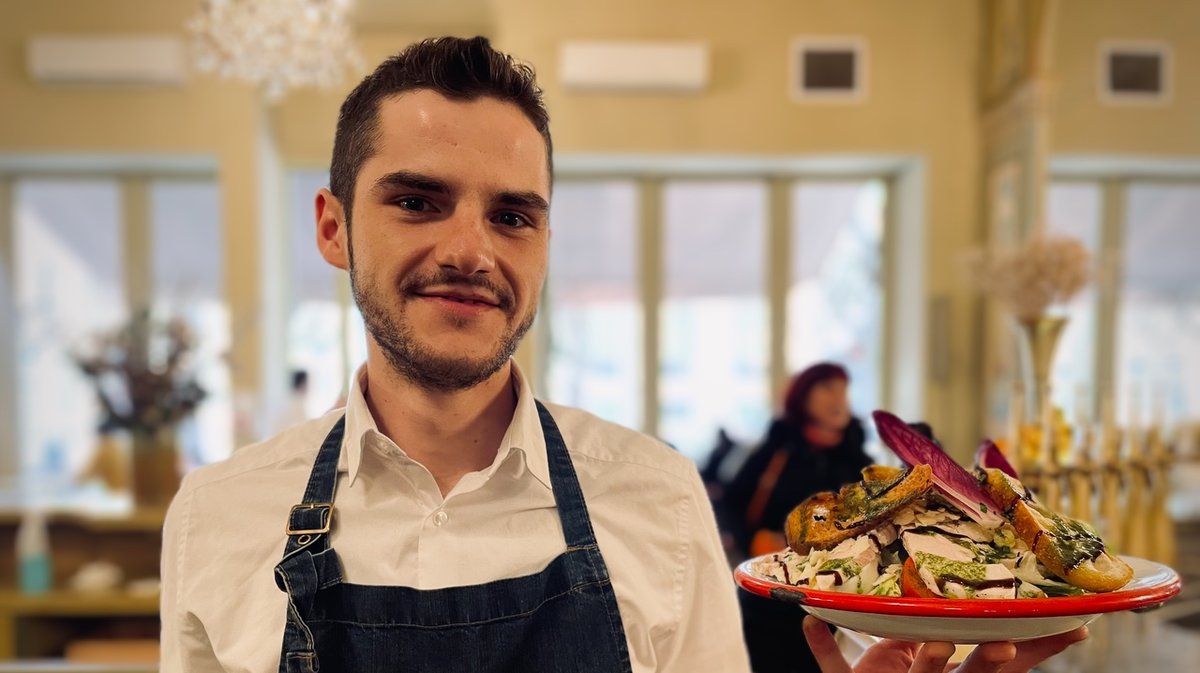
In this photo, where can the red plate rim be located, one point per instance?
(1152, 584)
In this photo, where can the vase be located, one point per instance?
(109, 463)
(1039, 339)
(154, 456)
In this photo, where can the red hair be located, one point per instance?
(795, 400)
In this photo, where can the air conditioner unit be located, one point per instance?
(95, 60)
(641, 66)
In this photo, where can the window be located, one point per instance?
(1073, 209)
(593, 352)
(1134, 334)
(185, 236)
(704, 290)
(835, 297)
(69, 283)
(88, 250)
(318, 324)
(1158, 325)
(714, 339)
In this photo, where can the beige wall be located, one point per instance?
(923, 102)
(1081, 122)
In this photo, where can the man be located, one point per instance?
(473, 529)
(445, 520)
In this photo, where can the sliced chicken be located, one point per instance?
(936, 545)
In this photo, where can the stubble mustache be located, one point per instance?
(444, 277)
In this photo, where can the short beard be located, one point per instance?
(419, 364)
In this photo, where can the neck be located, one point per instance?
(821, 436)
(450, 433)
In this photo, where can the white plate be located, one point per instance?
(969, 620)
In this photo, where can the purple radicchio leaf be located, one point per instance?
(949, 478)
(990, 455)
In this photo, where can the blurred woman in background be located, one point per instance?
(815, 445)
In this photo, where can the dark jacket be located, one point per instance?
(771, 628)
(807, 471)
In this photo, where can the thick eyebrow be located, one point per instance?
(425, 183)
(410, 180)
(531, 200)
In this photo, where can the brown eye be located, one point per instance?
(512, 220)
(413, 203)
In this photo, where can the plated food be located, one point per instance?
(935, 530)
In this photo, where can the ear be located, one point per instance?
(332, 234)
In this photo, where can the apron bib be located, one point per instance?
(563, 619)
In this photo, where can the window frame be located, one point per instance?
(133, 175)
(1114, 176)
(901, 178)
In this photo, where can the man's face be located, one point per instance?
(449, 236)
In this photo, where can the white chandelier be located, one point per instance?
(276, 44)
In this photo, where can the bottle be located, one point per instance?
(33, 553)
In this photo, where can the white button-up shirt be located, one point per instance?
(221, 609)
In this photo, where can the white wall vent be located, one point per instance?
(828, 69)
(95, 60)
(635, 66)
(1135, 72)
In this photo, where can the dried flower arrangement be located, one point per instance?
(143, 373)
(1047, 270)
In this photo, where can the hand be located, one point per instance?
(897, 656)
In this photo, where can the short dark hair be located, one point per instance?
(458, 68)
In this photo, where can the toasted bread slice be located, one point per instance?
(880, 474)
(811, 524)
(825, 519)
(1068, 548)
(872, 502)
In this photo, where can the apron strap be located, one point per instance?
(568, 496)
(309, 563)
(309, 522)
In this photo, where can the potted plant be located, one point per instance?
(146, 384)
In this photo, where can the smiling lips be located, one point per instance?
(462, 297)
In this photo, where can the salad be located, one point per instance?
(936, 530)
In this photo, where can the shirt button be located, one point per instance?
(440, 518)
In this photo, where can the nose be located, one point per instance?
(466, 245)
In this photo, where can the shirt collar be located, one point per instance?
(522, 440)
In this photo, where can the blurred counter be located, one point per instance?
(44, 626)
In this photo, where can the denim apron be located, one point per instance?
(562, 619)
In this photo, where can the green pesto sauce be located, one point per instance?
(1074, 541)
(846, 566)
(997, 553)
(876, 487)
(944, 567)
(860, 505)
(888, 587)
(965, 544)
